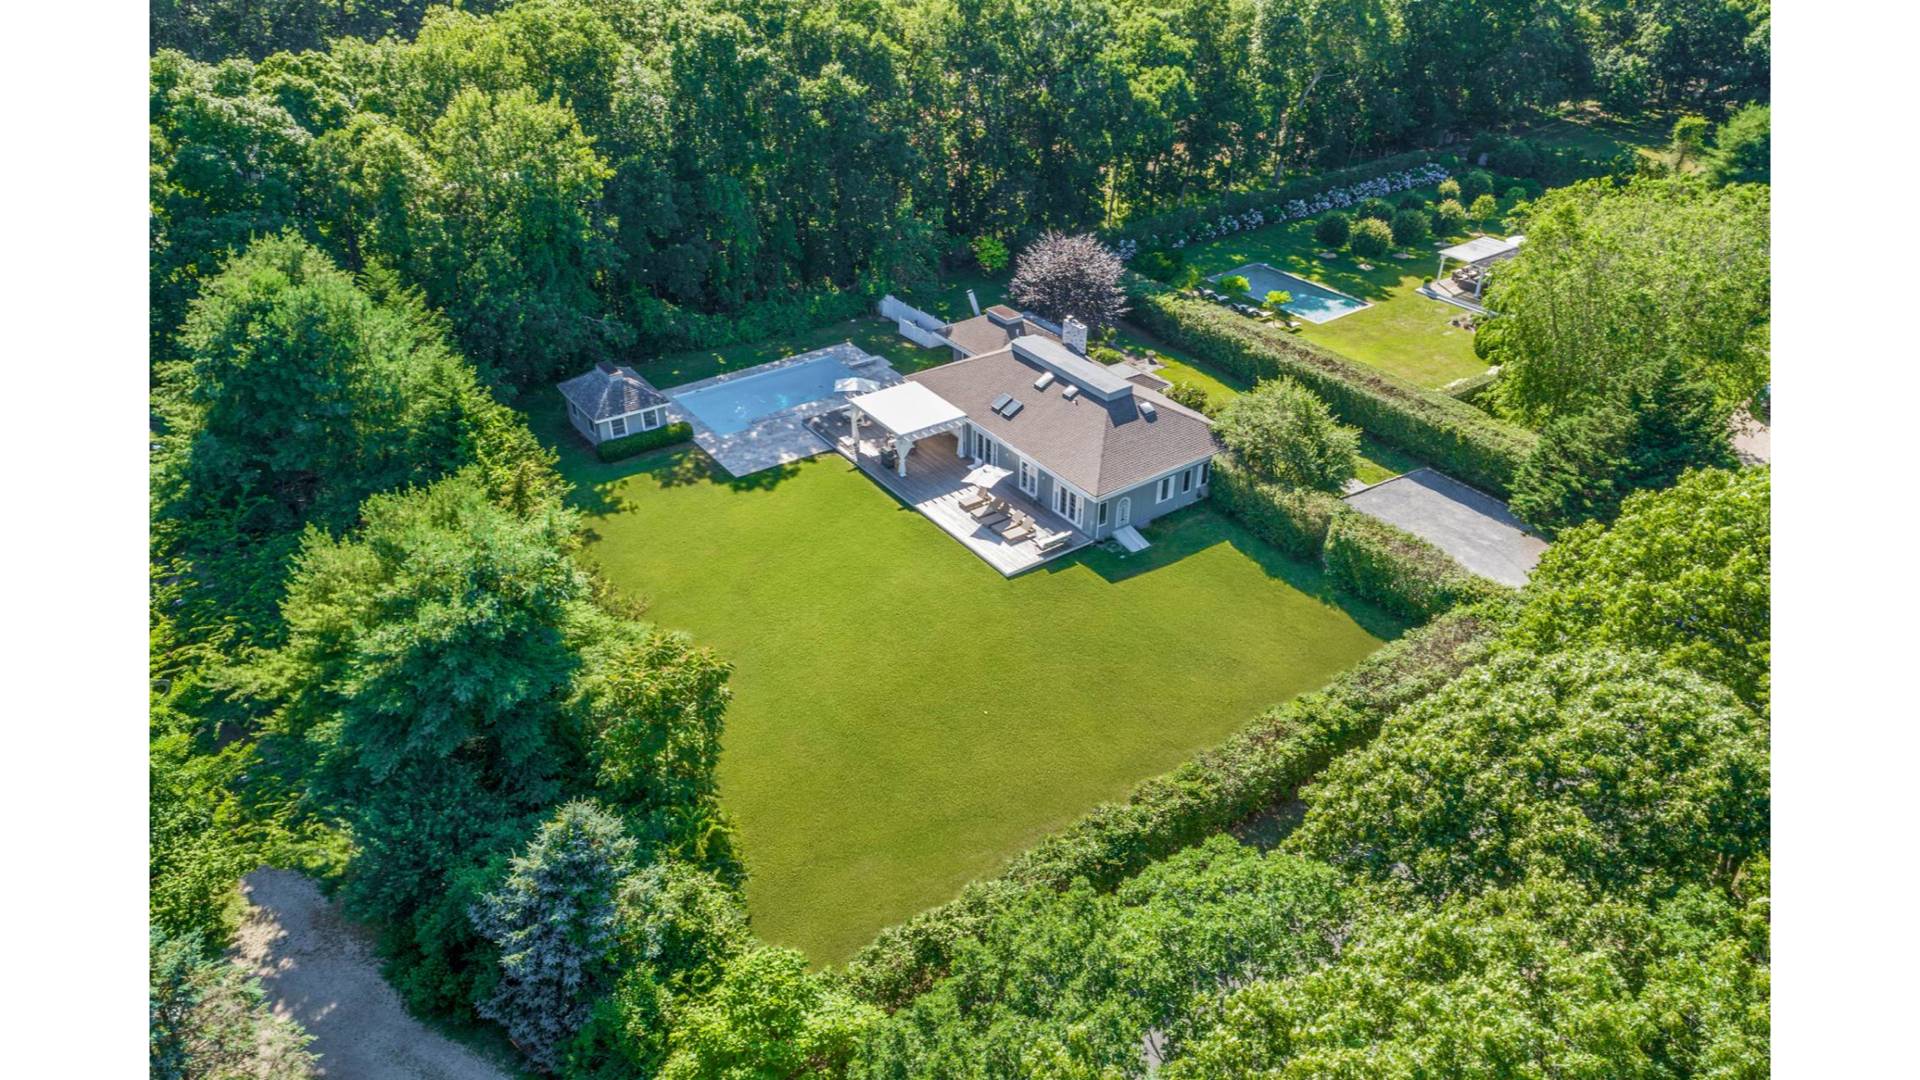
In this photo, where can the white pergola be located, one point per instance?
(909, 412)
(1480, 252)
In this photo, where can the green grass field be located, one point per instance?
(905, 718)
(1403, 332)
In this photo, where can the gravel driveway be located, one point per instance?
(320, 969)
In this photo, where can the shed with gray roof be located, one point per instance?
(612, 401)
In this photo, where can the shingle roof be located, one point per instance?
(611, 390)
(1100, 447)
(991, 331)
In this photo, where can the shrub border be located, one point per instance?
(626, 446)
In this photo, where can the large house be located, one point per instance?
(1080, 439)
(612, 401)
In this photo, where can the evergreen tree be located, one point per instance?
(1665, 421)
(555, 923)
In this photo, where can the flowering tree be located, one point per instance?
(1064, 277)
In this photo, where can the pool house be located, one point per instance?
(611, 402)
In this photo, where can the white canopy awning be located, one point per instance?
(909, 410)
(1481, 248)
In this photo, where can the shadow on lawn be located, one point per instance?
(1190, 531)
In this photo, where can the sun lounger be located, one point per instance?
(1020, 531)
(1049, 541)
(975, 498)
(990, 508)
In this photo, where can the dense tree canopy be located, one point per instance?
(1685, 573)
(1592, 766)
(1542, 980)
(299, 394)
(1071, 984)
(683, 173)
(1663, 421)
(1614, 276)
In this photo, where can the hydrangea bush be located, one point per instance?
(1335, 198)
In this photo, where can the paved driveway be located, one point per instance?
(319, 968)
(1469, 525)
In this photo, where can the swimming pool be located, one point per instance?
(1314, 303)
(735, 404)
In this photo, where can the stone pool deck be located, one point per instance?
(781, 437)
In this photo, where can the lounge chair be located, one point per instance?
(993, 508)
(1049, 541)
(975, 498)
(1020, 531)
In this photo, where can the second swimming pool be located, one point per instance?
(1314, 303)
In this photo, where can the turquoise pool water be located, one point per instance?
(736, 404)
(1314, 303)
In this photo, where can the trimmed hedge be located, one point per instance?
(1455, 437)
(1294, 521)
(1398, 570)
(1264, 763)
(1368, 557)
(641, 441)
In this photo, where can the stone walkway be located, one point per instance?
(320, 969)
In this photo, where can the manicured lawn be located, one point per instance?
(906, 719)
(1403, 332)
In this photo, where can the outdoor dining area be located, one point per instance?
(1466, 285)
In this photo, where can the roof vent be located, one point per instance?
(1146, 408)
(1045, 380)
(1070, 392)
(1013, 408)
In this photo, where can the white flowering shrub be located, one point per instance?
(1294, 209)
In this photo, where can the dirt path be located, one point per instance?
(320, 969)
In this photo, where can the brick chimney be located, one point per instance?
(1073, 334)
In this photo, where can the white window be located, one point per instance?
(618, 425)
(1029, 477)
(1066, 502)
(1165, 490)
(1100, 516)
(1206, 472)
(649, 419)
(1186, 481)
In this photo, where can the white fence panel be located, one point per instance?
(925, 338)
(899, 310)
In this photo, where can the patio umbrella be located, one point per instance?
(988, 475)
(855, 385)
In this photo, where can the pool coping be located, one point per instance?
(782, 437)
(1272, 269)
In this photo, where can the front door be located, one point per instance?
(1123, 514)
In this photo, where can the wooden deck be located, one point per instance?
(935, 481)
